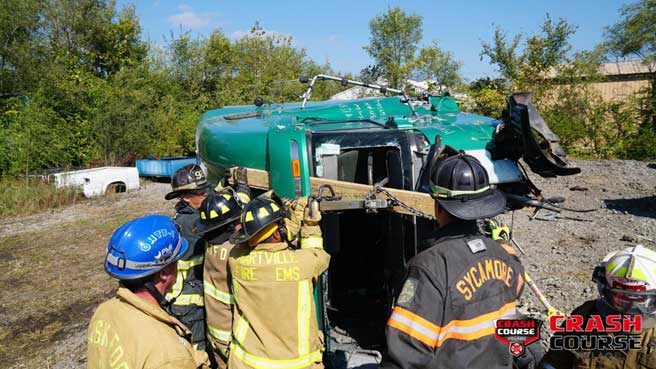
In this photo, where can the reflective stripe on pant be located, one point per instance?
(219, 334)
(264, 363)
(303, 316)
(189, 300)
(178, 287)
(184, 299)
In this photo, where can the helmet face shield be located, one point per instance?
(630, 302)
(628, 297)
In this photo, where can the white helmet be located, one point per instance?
(626, 280)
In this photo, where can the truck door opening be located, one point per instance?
(368, 254)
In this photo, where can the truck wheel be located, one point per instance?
(115, 187)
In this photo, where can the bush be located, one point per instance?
(488, 102)
(642, 145)
(20, 196)
(589, 127)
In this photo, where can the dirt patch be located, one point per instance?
(53, 278)
(30, 333)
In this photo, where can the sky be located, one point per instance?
(335, 31)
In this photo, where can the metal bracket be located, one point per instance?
(331, 193)
(370, 205)
(329, 201)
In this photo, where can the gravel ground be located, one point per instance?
(560, 255)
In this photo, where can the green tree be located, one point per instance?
(21, 52)
(268, 65)
(393, 43)
(371, 73)
(433, 63)
(218, 65)
(543, 54)
(77, 83)
(635, 33)
(562, 88)
(635, 36)
(91, 35)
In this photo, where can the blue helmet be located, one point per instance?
(143, 246)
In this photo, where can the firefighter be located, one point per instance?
(275, 322)
(454, 290)
(134, 329)
(626, 281)
(190, 185)
(219, 219)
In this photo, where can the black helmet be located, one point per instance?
(257, 215)
(188, 179)
(460, 184)
(218, 209)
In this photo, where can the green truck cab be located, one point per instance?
(392, 139)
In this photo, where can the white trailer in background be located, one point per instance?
(99, 181)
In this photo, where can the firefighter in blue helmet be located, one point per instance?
(445, 312)
(135, 329)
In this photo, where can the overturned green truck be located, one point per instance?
(390, 141)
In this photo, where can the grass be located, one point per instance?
(51, 286)
(53, 279)
(18, 197)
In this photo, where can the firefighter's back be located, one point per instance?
(275, 315)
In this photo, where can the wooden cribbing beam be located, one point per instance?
(259, 179)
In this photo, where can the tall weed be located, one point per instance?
(20, 196)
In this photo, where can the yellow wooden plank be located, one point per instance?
(259, 179)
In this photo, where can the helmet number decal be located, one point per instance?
(153, 237)
(197, 174)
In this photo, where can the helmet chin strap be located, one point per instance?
(163, 302)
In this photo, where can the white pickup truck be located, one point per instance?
(99, 181)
